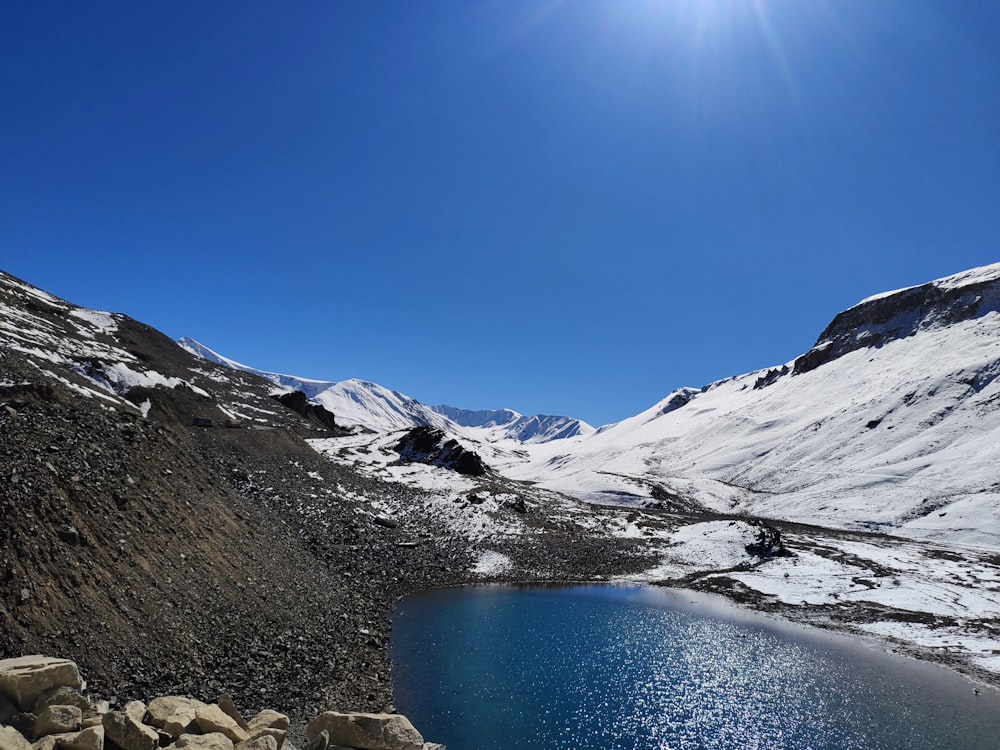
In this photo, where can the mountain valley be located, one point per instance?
(260, 550)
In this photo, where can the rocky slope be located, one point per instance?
(165, 557)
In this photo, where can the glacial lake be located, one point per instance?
(616, 667)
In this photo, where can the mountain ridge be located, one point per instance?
(375, 407)
(885, 424)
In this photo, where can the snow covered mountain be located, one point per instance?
(890, 422)
(507, 423)
(371, 406)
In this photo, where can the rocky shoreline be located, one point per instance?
(43, 706)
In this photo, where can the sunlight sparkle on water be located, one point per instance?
(609, 667)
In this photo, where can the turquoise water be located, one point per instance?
(638, 667)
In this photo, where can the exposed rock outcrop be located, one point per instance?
(315, 413)
(879, 320)
(429, 445)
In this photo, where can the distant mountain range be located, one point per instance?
(374, 407)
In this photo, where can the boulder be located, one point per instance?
(136, 711)
(7, 709)
(161, 709)
(261, 742)
(48, 742)
(226, 703)
(24, 679)
(268, 719)
(209, 741)
(183, 721)
(367, 731)
(277, 734)
(122, 729)
(11, 739)
(91, 738)
(64, 696)
(58, 720)
(320, 741)
(23, 722)
(88, 739)
(211, 718)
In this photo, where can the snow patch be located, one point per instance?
(492, 563)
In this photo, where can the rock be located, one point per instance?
(268, 719)
(320, 742)
(367, 731)
(211, 718)
(68, 534)
(261, 742)
(11, 739)
(161, 709)
(87, 739)
(7, 709)
(91, 738)
(184, 721)
(58, 720)
(46, 743)
(65, 696)
(23, 722)
(226, 703)
(25, 678)
(129, 734)
(429, 445)
(209, 741)
(277, 734)
(136, 711)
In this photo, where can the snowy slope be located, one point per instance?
(890, 422)
(371, 406)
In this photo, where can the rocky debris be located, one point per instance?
(429, 445)
(213, 726)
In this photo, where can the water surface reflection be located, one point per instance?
(639, 667)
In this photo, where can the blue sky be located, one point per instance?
(560, 207)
